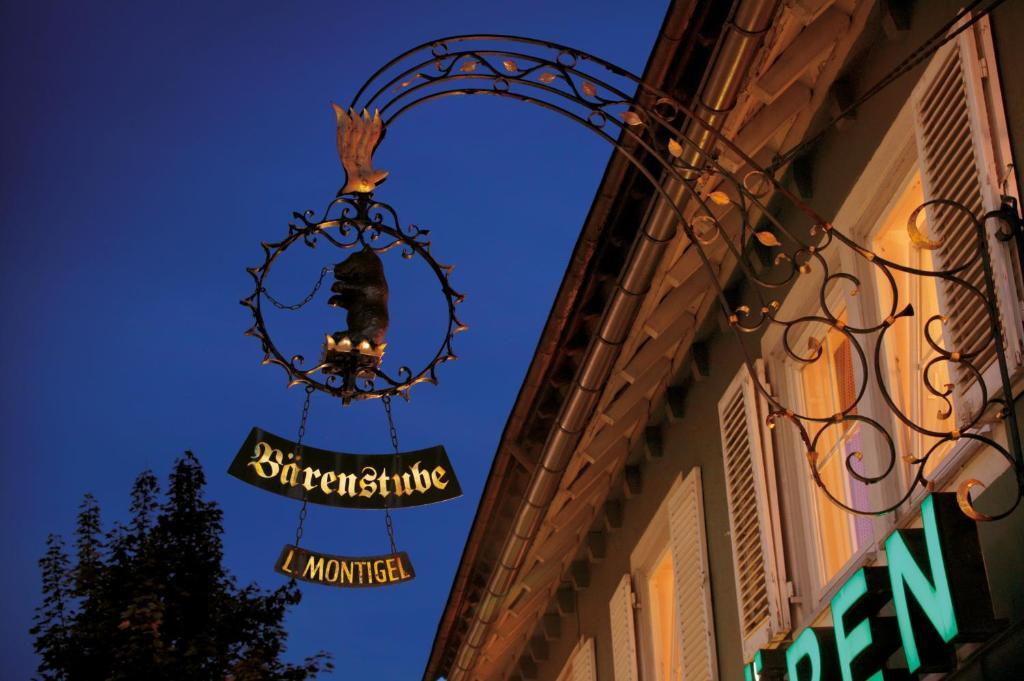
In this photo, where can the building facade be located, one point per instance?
(688, 535)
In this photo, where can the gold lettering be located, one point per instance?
(333, 562)
(314, 568)
(437, 475)
(347, 484)
(403, 485)
(383, 479)
(263, 453)
(401, 568)
(367, 486)
(310, 474)
(421, 478)
(288, 561)
(326, 480)
(392, 569)
(380, 570)
(360, 564)
(290, 474)
(346, 572)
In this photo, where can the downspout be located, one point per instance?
(736, 49)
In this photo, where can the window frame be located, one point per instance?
(865, 231)
(813, 587)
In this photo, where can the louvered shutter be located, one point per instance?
(583, 664)
(954, 111)
(754, 529)
(620, 609)
(692, 584)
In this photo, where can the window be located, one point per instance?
(958, 148)
(906, 350)
(661, 614)
(673, 627)
(823, 537)
(828, 387)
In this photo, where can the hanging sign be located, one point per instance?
(322, 568)
(270, 462)
(936, 583)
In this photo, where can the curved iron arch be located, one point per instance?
(606, 98)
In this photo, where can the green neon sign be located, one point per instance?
(935, 579)
(933, 595)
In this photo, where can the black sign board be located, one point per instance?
(270, 462)
(322, 568)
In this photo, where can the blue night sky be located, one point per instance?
(147, 148)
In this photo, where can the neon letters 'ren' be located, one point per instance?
(939, 588)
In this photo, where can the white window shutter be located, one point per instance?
(692, 583)
(581, 665)
(754, 529)
(584, 668)
(959, 126)
(620, 609)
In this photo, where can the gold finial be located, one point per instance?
(358, 137)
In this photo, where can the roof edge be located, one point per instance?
(566, 301)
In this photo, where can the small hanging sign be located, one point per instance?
(270, 462)
(323, 568)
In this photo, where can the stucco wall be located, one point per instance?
(1007, 21)
(691, 441)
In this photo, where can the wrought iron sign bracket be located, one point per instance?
(725, 208)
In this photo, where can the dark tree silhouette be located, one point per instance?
(151, 600)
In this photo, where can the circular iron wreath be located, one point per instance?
(348, 221)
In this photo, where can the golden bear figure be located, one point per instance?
(361, 288)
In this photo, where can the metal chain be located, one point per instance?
(298, 455)
(393, 432)
(281, 306)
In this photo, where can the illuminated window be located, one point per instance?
(829, 387)
(661, 611)
(907, 351)
(668, 569)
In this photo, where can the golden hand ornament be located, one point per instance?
(358, 136)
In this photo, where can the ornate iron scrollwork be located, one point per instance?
(868, 342)
(348, 222)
